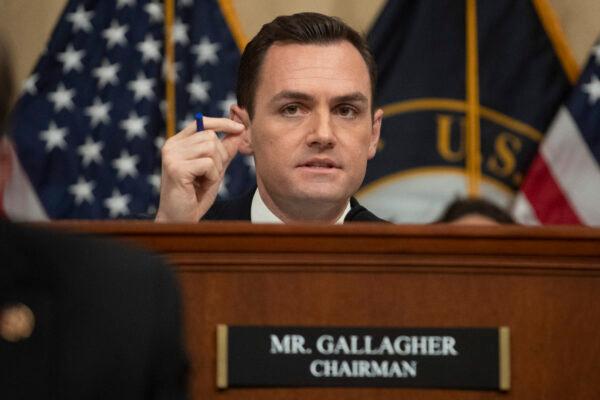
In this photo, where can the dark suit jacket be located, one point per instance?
(239, 209)
(107, 320)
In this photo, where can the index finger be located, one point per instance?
(222, 125)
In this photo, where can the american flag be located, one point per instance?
(91, 120)
(563, 182)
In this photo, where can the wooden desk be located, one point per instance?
(543, 283)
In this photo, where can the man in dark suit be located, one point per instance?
(240, 209)
(304, 111)
(86, 319)
(83, 318)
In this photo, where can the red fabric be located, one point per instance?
(546, 197)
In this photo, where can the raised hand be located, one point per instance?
(193, 167)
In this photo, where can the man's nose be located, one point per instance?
(322, 132)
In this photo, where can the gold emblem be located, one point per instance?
(16, 322)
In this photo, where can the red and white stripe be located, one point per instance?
(563, 183)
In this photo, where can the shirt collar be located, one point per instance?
(260, 213)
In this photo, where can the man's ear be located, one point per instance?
(239, 114)
(375, 131)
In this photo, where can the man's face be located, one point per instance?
(312, 131)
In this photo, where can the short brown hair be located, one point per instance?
(301, 28)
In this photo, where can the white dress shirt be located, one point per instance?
(260, 213)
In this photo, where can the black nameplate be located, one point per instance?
(455, 358)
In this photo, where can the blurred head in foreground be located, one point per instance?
(83, 318)
(474, 212)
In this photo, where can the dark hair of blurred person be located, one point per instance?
(475, 211)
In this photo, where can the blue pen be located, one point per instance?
(199, 122)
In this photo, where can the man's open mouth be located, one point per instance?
(319, 163)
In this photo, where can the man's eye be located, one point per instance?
(290, 110)
(347, 111)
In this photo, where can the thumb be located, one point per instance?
(231, 144)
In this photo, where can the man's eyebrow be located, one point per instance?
(291, 95)
(356, 97)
